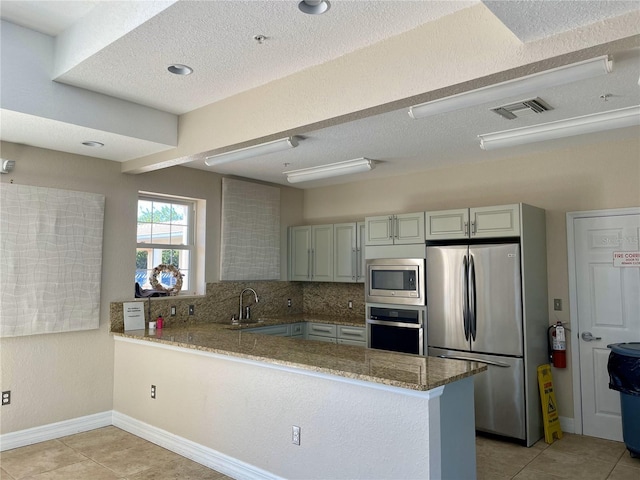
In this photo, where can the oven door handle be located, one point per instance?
(393, 324)
(472, 359)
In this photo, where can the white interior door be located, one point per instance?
(608, 309)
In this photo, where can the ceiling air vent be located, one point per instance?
(519, 109)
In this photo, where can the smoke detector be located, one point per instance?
(522, 108)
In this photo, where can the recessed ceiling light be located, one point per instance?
(314, 7)
(178, 69)
(93, 143)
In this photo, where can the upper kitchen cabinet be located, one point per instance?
(401, 229)
(311, 253)
(478, 222)
(348, 246)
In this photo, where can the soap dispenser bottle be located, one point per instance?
(159, 322)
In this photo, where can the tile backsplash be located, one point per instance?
(222, 301)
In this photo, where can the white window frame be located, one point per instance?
(192, 244)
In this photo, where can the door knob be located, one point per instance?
(588, 337)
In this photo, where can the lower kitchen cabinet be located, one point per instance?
(288, 330)
(341, 334)
(320, 332)
(348, 335)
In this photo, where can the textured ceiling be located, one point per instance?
(216, 40)
(533, 20)
(120, 51)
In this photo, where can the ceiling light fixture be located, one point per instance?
(178, 69)
(314, 7)
(93, 144)
(358, 165)
(597, 122)
(519, 86)
(252, 151)
(7, 165)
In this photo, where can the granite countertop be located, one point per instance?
(413, 372)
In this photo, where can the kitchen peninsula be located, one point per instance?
(229, 399)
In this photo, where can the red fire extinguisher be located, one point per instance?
(557, 345)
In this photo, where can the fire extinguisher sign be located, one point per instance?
(549, 406)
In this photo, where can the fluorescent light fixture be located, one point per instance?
(252, 151)
(358, 165)
(597, 122)
(519, 86)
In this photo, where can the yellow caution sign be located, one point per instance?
(548, 401)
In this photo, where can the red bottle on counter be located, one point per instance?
(159, 322)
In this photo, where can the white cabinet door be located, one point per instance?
(352, 335)
(492, 222)
(345, 255)
(300, 253)
(322, 253)
(403, 229)
(479, 222)
(311, 253)
(409, 228)
(298, 329)
(447, 224)
(379, 230)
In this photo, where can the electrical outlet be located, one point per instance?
(192, 309)
(173, 310)
(153, 391)
(288, 302)
(6, 397)
(295, 435)
(557, 304)
(350, 303)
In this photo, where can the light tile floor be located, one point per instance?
(571, 457)
(110, 453)
(103, 454)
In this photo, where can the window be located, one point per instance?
(165, 235)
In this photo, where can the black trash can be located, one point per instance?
(624, 376)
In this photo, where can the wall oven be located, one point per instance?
(397, 328)
(398, 281)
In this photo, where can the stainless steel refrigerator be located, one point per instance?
(475, 312)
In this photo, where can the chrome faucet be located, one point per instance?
(242, 314)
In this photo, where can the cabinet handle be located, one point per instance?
(309, 263)
(390, 227)
(358, 262)
(313, 257)
(474, 229)
(354, 263)
(466, 228)
(395, 227)
(354, 333)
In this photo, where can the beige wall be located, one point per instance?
(62, 376)
(600, 176)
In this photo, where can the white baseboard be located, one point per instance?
(567, 425)
(52, 431)
(198, 453)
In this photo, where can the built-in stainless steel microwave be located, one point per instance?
(396, 281)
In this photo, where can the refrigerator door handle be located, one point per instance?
(472, 359)
(465, 297)
(472, 298)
